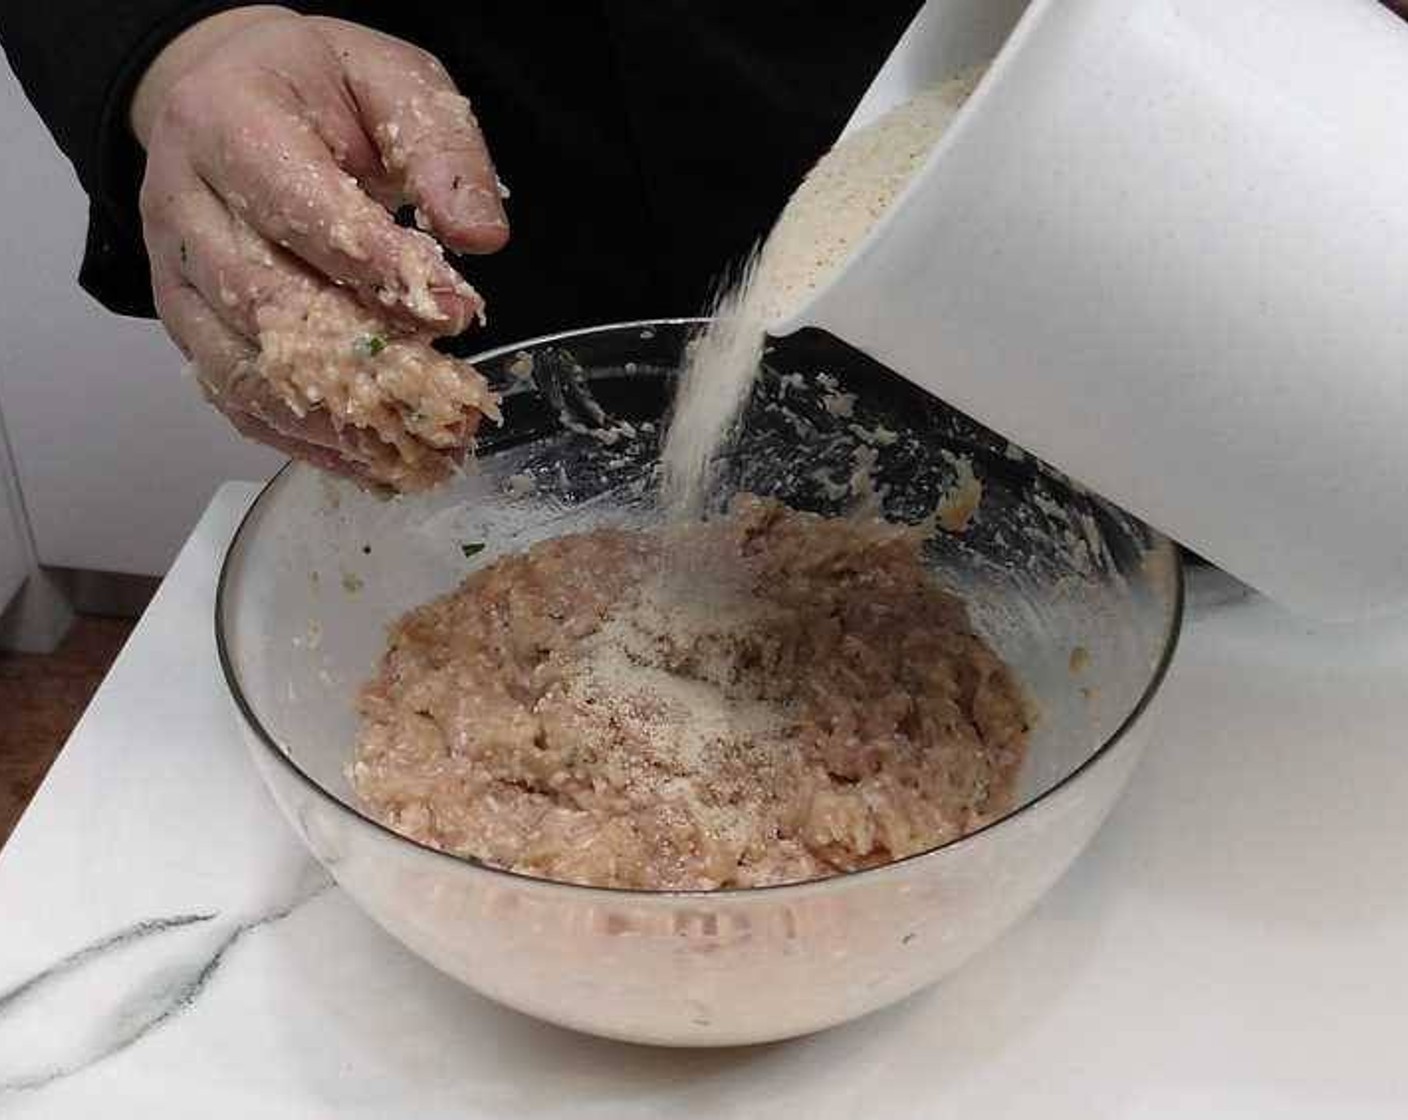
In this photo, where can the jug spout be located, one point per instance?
(1165, 247)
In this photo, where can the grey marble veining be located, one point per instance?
(112, 993)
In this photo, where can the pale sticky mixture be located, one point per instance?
(344, 382)
(764, 698)
(404, 414)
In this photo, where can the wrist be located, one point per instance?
(189, 48)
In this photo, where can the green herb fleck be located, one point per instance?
(473, 548)
(370, 345)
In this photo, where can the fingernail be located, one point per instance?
(459, 307)
(472, 205)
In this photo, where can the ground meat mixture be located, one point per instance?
(765, 698)
(404, 414)
(330, 380)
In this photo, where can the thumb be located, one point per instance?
(427, 135)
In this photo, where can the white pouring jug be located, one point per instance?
(1165, 247)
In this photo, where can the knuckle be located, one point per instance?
(151, 203)
(158, 204)
(165, 308)
(424, 64)
(169, 310)
(187, 108)
(174, 334)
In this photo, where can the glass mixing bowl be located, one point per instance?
(1082, 600)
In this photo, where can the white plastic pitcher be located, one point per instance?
(1165, 247)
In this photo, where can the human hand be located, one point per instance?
(278, 146)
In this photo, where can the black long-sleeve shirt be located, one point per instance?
(647, 143)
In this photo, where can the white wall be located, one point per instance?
(116, 451)
(15, 561)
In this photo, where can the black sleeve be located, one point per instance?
(79, 62)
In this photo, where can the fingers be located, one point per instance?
(192, 235)
(316, 343)
(263, 177)
(226, 367)
(280, 352)
(427, 135)
(274, 169)
(308, 129)
(225, 363)
(221, 357)
(332, 458)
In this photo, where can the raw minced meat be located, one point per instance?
(405, 413)
(765, 698)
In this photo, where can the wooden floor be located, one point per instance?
(41, 698)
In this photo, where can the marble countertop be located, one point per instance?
(1233, 944)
